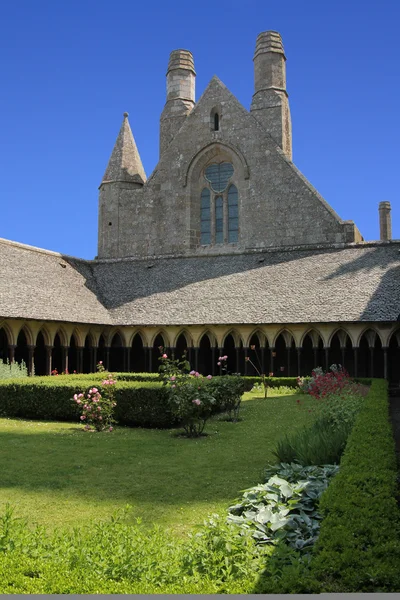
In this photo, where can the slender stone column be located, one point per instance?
(31, 361)
(150, 359)
(11, 352)
(49, 351)
(237, 359)
(127, 359)
(385, 362)
(246, 364)
(355, 350)
(299, 361)
(64, 355)
(196, 359)
(288, 361)
(315, 351)
(93, 359)
(79, 359)
(213, 361)
(272, 356)
(107, 361)
(371, 359)
(343, 351)
(326, 357)
(221, 353)
(262, 350)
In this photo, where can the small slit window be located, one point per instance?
(216, 122)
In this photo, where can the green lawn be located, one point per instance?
(56, 474)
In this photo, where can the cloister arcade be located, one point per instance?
(364, 350)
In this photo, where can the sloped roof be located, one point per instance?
(43, 285)
(359, 283)
(356, 283)
(125, 163)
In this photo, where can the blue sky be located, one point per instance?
(70, 68)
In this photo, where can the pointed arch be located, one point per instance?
(284, 354)
(142, 336)
(138, 356)
(183, 332)
(62, 334)
(27, 332)
(236, 335)
(163, 333)
(211, 336)
(287, 336)
(9, 332)
(370, 357)
(88, 353)
(206, 354)
(4, 342)
(371, 334)
(24, 340)
(117, 352)
(312, 352)
(341, 350)
(40, 353)
(46, 335)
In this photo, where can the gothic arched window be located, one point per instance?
(219, 206)
(205, 234)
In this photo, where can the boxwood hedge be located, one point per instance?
(358, 549)
(139, 403)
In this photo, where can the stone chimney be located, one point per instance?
(181, 78)
(385, 221)
(270, 105)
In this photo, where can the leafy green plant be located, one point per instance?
(322, 443)
(97, 406)
(285, 508)
(13, 370)
(192, 404)
(358, 549)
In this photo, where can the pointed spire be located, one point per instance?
(125, 163)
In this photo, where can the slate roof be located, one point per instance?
(359, 282)
(35, 285)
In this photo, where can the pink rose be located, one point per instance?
(110, 429)
(173, 386)
(83, 417)
(95, 390)
(173, 378)
(225, 358)
(100, 362)
(75, 396)
(219, 364)
(209, 376)
(197, 374)
(196, 401)
(192, 373)
(164, 356)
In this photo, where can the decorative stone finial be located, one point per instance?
(269, 41)
(126, 115)
(181, 59)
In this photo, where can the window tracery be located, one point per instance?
(219, 206)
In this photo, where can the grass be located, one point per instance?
(57, 475)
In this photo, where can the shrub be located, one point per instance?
(139, 404)
(98, 407)
(321, 444)
(13, 370)
(227, 391)
(359, 545)
(192, 405)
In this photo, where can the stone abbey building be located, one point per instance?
(224, 247)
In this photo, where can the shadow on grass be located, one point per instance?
(143, 465)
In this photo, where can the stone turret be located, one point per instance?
(123, 180)
(181, 78)
(270, 105)
(385, 221)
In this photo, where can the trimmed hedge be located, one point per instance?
(140, 404)
(358, 549)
